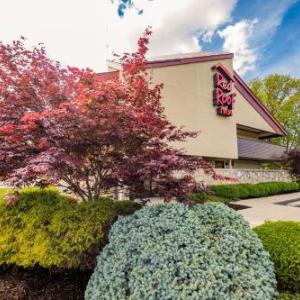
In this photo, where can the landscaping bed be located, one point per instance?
(175, 252)
(50, 243)
(39, 284)
(49, 229)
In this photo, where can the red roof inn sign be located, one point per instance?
(223, 98)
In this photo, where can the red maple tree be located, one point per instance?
(71, 127)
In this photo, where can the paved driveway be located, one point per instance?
(268, 209)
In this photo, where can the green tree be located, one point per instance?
(281, 95)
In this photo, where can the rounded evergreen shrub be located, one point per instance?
(282, 240)
(173, 252)
(49, 229)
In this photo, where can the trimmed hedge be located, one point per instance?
(173, 252)
(282, 240)
(49, 229)
(245, 190)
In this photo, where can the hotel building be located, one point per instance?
(202, 92)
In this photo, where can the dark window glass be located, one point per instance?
(219, 164)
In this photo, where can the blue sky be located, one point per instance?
(275, 39)
(264, 35)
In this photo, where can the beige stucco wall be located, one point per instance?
(188, 100)
(245, 114)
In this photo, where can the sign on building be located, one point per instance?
(223, 95)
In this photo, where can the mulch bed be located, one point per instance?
(39, 284)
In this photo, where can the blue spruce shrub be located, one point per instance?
(173, 252)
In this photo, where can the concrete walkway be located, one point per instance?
(268, 209)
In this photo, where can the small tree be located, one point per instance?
(281, 95)
(71, 127)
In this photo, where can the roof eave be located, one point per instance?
(179, 61)
(190, 60)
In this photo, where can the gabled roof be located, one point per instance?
(241, 86)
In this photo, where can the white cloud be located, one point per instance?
(270, 18)
(249, 47)
(236, 39)
(84, 33)
(175, 24)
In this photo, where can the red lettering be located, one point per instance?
(219, 97)
(224, 111)
(233, 95)
(222, 83)
(223, 98)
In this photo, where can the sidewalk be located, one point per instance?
(267, 209)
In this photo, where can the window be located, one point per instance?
(220, 164)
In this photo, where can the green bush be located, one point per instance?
(126, 207)
(173, 252)
(282, 240)
(289, 296)
(228, 191)
(244, 191)
(3, 192)
(49, 229)
(198, 197)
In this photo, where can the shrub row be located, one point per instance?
(49, 229)
(245, 190)
(173, 252)
(282, 240)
